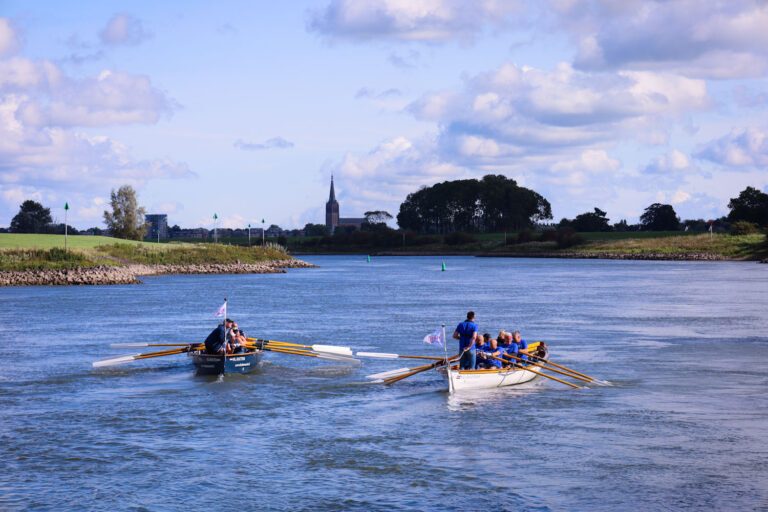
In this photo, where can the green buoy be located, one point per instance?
(442, 267)
(369, 258)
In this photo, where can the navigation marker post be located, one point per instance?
(66, 209)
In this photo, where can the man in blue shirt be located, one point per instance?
(466, 333)
(518, 347)
(216, 342)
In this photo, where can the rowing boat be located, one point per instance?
(460, 380)
(217, 364)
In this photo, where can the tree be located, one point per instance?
(591, 221)
(127, 218)
(751, 206)
(377, 217)
(33, 217)
(495, 203)
(660, 217)
(315, 230)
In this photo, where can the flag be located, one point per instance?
(222, 311)
(436, 338)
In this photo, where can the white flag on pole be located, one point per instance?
(222, 311)
(436, 338)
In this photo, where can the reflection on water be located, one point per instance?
(683, 426)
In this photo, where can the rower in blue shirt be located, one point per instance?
(495, 352)
(518, 347)
(466, 333)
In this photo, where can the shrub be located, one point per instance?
(743, 227)
(567, 237)
(460, 238)
(548, 235)
(525, 236)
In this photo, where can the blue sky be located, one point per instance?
(246, 108)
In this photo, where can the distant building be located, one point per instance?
(158, 226)
(332, 219)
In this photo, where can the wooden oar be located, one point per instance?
(305, 353)
(129, 358)
(414, 371)
(574, 372)
(328, 349)
(567, 374)
(540, 372)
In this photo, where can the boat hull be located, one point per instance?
(214, 364)
(459, 380)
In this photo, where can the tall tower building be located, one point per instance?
(332, 210)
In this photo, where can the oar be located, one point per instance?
(383, 355)
(306, 353)
(329, 349)
(567, 374)
(542, 373)
(135, 357)
(390, 373)
(136, 345)
(414, 371)
(574, 372)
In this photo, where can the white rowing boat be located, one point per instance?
(460, 380)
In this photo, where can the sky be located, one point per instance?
(246, 109)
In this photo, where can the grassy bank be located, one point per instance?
(46, 252)
(674, 244)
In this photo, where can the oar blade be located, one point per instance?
(386, 375)
(378, 355)
(114, 361)
(333, 349)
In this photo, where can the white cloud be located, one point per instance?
(742, 148)
(674, 161)
(9, 38)
(410, 20)
(698, 39)
(124, 29)
(273, 143)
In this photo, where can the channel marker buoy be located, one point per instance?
(442, 267)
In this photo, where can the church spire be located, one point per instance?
(332, 197)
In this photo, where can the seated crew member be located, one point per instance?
(481, 344)
(492, 353)
(236, 340)
(216, 342)
(466, 333)
(522, 344)
(518, 347)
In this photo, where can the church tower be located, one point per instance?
(332, 210)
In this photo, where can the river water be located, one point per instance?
(685, 425)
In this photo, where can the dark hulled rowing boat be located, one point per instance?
(216, 364)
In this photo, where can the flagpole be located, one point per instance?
(448, 364)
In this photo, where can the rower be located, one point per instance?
(466, 333)
(518, 347)
(481, 346)
(216, 342)
(237, 340)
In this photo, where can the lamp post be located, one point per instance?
(249, 235)
(262, 232)
(215, 225)
(66, 209)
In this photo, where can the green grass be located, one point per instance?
(727, 246)
(37, 252)
(33, 241)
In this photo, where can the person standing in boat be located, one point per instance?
(216, 342)
(466, 333)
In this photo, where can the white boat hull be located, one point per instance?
(459, 380)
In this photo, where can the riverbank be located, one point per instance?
(131, 274)
(118, 262)
(683, 247)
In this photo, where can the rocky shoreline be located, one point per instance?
(130, 274)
